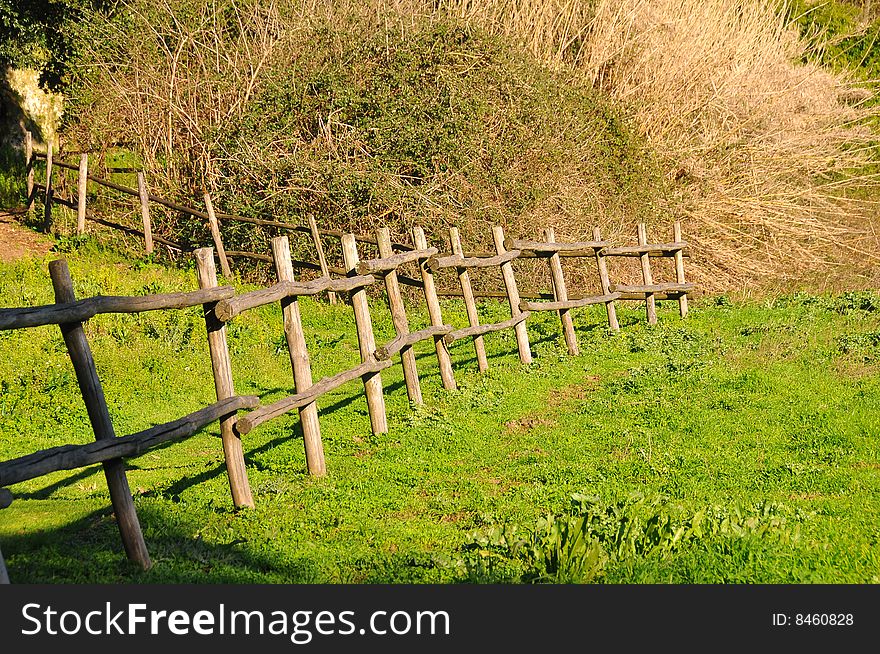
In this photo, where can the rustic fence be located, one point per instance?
(221, 305)
(213, 224)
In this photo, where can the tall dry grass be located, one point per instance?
(766, 149)
(762, 150)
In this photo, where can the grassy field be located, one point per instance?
(740, 445)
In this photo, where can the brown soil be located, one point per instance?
(17, 242)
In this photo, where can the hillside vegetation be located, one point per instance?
(736, 446)
(521, 112)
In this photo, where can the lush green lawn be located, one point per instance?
(762, 416)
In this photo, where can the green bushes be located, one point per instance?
(439, 123)
(844, 36)
(578, 546)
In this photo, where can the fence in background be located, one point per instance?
(221, 305)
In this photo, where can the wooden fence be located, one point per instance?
(221, 305)
(213, 221)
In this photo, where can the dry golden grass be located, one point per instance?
(763, 154)
(763, 146)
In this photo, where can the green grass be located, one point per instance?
(12, 172)
(759, 417)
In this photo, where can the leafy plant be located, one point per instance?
(577, 546)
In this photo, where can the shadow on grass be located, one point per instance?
(89, 550)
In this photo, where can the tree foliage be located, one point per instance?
(44, 34)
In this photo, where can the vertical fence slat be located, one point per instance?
(679, 270)
(366, 340)
(299, 360)
(144, 197)
(398, 317)
(5, 500)
(4, 575)
(222, 369)
(47, 205)
(443, 360)
(650, 305)
(214, 226)
(96, 407)
(560, 293)
(29, 169)
(605, 281)
(322, 260)
(522, 335)
(470, 304)
(81, 188)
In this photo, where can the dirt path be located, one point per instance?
(17, 242)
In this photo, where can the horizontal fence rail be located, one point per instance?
(71, 457)
(227, 309)
(221, 304)
(82, 310)
(568, 304)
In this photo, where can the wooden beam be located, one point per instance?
(29, 169)
(99, 416)
(522, 336)
(4, 575)
(223, 384)
(668, 287)
(650, 305)
(82, 310)
(128, 230)
(561, 294)
(252, 420)
(605, 283)
(322, 260)
(409, 339)
(479, 330)
(81, 194)
(470, 303)
(546, 249)
(299, 360)
(72, 457)
(214, 226)
(47, 204)
(444, 362)
(398, 311)
(655, 249)
(366, 340)
(144, 198)
(679, 270)
(227, 309)
(393, 261)
(459, 261)
(525, 305)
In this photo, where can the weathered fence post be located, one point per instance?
(29, 169)
(443, 360)
(470, 304)
(299, 360)
(522, 335)
(366, 339)
(650, 305)
(5, 500)
(560, 294)
(398, 317)
(605, 282)
(144, 197)
(99, 416)
(221, 365)
(322, 260)
(81, 188)
(679, 270)
(214, 226)
(47, 206)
